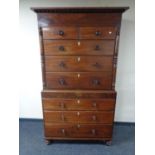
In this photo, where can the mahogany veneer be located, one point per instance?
(79, 49)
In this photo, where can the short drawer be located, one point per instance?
(60, 32)
(78, 117)
(78, 104)
(78, 63)
(78, 80)
(78, 130)
(82, 47)
(98, 32)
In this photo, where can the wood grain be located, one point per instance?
(70, 47)
(78, 104)
(84, 131)
(79, 49)
(60, 32)
(78, 117)
(74, 80)
(78, 63)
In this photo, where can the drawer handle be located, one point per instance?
(94, 118)
(96, 82)
(63, 131)
(62, 64)
(98, 33)
(97, 65)
(97, 47)
(61, 48)
(93, 131)
(62, 82)
(61, 33)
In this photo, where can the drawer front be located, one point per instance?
(81, 94)
(83, 47)
(98, 32)
(78, 63)
(80, 80)
(60, 33)
(78, 117)
(78, 104)
(78, 130)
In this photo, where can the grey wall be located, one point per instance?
(30, 81)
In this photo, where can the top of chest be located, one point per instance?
(79, 16)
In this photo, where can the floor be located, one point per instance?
(32, 142)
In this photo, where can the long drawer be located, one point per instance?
(78, 63)
(78, 117)
(78, 104)
(78, 80)
(75, 47)
(78, 130)
(61, 32)
(79, 94)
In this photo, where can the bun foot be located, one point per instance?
(48, 142)
(108, 143)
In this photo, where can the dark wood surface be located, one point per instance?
(97, 32)
(60, 33)
(78, 94)
(78, 130)
(79, 50)
(74, 80)
(83, 20)
(78, 104)
(86, 117)
(76, 32)
(76, 47)
(78, 63)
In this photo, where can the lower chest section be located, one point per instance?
(78, 114)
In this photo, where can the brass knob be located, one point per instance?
(61, 33)
(98, 33)
(110, 32)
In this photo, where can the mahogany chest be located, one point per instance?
(79, 49)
